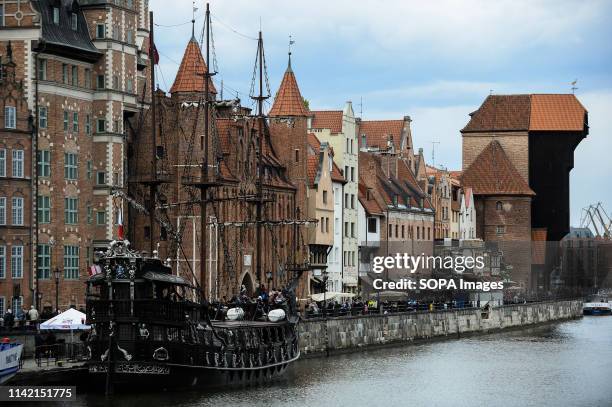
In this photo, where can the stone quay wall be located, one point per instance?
(322, 336)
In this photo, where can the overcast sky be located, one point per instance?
(435, 61)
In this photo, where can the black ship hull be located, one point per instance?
(129, 376)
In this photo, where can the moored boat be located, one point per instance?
(597, 308)
(10, 359)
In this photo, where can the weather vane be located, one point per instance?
(574, 87)
(291, 42)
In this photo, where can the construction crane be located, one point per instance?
(595, 218)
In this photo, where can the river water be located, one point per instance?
(565, 364)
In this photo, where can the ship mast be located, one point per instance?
(153, 181)
(204, 171)
(260, 171)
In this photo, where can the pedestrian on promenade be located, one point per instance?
(9, 319)
(33, 315)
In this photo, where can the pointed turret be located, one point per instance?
(288, 100)
(190, 75)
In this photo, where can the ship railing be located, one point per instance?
(144, 309)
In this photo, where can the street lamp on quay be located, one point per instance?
(56, 273)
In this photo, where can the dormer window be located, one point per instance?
(56, 17)
(74, 21)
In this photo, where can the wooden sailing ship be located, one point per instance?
(152, 326)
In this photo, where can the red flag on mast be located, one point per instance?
(120, 223)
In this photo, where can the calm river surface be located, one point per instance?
(566, 364)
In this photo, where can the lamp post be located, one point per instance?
(325, 276)
(56, 274)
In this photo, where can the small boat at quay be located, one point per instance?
(10, 359)
(597, 308)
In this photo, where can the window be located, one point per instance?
(17, 304)
(322, 225)
(74, 23)
(101, 178)
(65, 120)
(2, 304)
(372, 225)
(71, 211)
(100, 82)
(89, 169)
(65, 73)
(42, 69)
(101, 126)
(42, 117)
(346, 229)
(2, 162)
(2, 261)
(129, 36)
(88, 124)
(500, 229)
(499, 206)
(44, 209)
(43, 261)
(346, 200)
(17, 211)
(56, 16)
(115, 82)
(75, 75)
(352, 229)
(87, 73)
(89, 214)
(353, 174)
(71, 262)
(116, 33)
(325, 197)
(396, 230)
(70, 166)
(100, 31)
(44, 163)
(130, 85)
(2, 25)
(101, 218)
(352, 201)
(418, 233)
(75, 122)
(390, 230)
(403, 235)
(2, 210)
(18, 163)
(364, 142)
(297, 155)
(17, 261)
(10, 117)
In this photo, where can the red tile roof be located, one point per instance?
(336, 174)
(190, 75)
(537, 112)
(378, 131)
(492, 173)
(312, 167)
(557, 113)
(314, 142)
(288, 100)
(369, 205)
(327, 119)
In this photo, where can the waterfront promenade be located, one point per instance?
(322, 336)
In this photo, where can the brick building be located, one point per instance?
(17, 227)
(83, 69)
(526, 143)
(231, 213)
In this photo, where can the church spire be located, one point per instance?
(288, 100)
(191, 72)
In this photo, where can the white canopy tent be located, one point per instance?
(70, 320)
